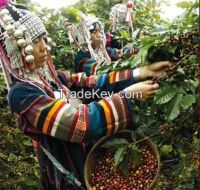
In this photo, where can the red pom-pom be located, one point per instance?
(3, 3)
(129, 4)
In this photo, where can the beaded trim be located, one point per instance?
(120, 15)
(32, 23)
(17, 37)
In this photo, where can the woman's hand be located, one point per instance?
(155, 69)
(142, 90)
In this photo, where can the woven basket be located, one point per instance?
(96, 151)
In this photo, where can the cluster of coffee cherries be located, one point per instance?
(191, 37)
(191, 42)
(105, 176)
(164, 128)
(188, 42)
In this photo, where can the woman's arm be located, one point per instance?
(115, 80)
(84, 63)
(59, 119)
(116, 54)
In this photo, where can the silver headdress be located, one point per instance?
(79, 33)
(18, 29)
(121, 16)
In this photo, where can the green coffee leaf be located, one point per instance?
(119, 156)
(187, 101)
(135, 156)
(115, 143)
(165, 95)
(174, 108)
(124, 166)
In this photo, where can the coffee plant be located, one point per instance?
(170, 119)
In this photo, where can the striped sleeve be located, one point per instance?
(59, 119)
(84, 63)
(115, 54)
(102, 81)
(88, 66)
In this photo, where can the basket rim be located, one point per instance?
(98, 143)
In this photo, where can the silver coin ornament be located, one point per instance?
(10, 29)
(7, 19)
(28, 49)
(4, 12)
(29, 59)
(49, 41)
(49, 48)
(21, 42)
(18, 33)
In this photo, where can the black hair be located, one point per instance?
(14, 14)
(20, 6)
(95, 24)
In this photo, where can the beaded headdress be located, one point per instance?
(18, 29)
(79, 33)
(121, 16)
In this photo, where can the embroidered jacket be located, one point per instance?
(67, 132)
(84, 62)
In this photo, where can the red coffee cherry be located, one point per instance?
(106, 177)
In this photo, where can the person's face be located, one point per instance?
(96, 37)
(40, 51)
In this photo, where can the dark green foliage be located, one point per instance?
(18, 165)
(156, 54)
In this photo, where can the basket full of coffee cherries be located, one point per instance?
(123, 161)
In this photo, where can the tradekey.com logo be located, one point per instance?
(96, 94)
